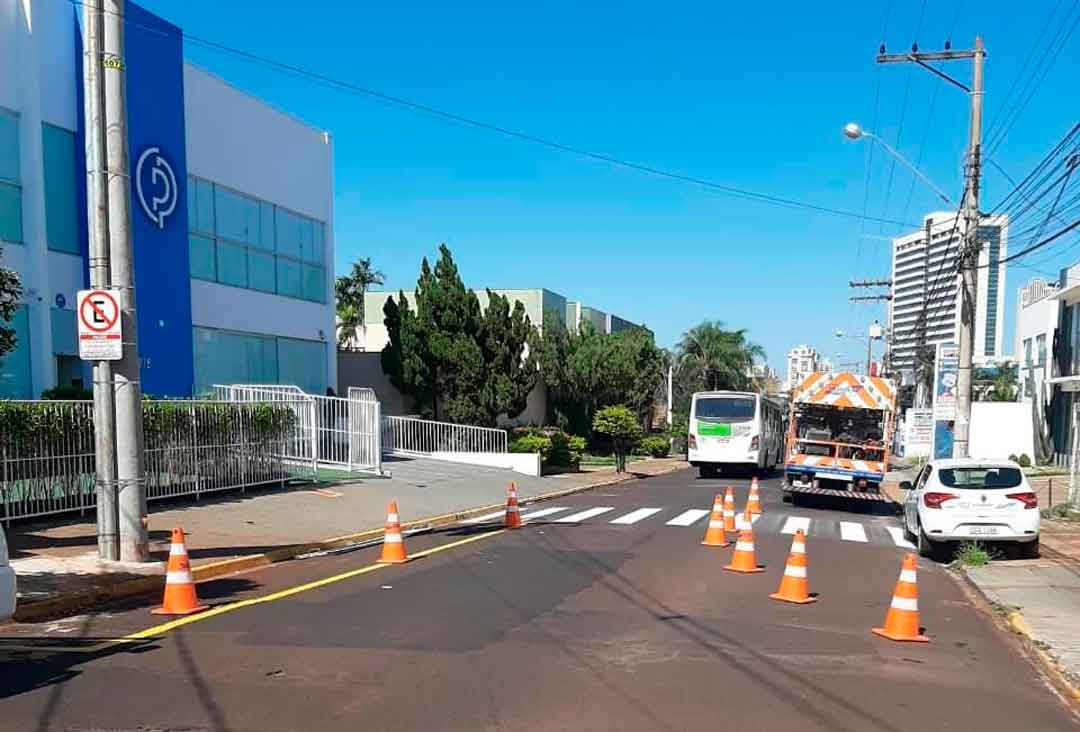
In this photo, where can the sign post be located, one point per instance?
(100, 331)
(946, 379)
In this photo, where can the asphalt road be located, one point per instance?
(584, 625)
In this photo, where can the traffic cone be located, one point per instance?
(393, 548)
(753, 503)
(794, 587)
(513, 513)
(744, 520)
(729, 511)
(743, 559)
(902, 619)
(180, 598)
(714, 535)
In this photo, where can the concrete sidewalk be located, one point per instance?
(1042, 596)
(59, 573)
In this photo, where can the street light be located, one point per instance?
(854, 131)
(874, 333)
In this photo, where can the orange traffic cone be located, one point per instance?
(714, 535)
(393, 548)
(753, 503)
(729, 511)
(902, 619)
(794, 587)
(513, 514)
(180, 598)
(743, 559)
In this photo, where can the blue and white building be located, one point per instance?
(232, 215)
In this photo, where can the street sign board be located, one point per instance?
(100, 335)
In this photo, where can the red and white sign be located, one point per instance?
(100, 336)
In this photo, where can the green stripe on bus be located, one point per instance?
(713, 429)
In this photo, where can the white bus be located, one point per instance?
(733, 428)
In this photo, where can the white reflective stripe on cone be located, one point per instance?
(394, 538)
(795, 571)
(178, 578)
(392, 518)
(512, 509)
(742, 546)
(797, 547)
(177, 550)
(714, 524)
(908, 575)
(905, 603)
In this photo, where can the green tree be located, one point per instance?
(10, 292)
(349, 290)
(622, 427)
(508, 343)
(717, 358)
(1004, 387)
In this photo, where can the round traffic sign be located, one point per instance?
(99, 311)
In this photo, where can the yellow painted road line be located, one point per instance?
(282, 594)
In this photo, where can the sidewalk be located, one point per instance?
(1042, 597)
(59, 573)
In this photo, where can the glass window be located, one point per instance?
(1040, 348)
(288, 233)
(726, 409)
(15, 380)
(204, 213)
(58, 155)
(223, 357)
(981, 477)
(303, 364)
(288, 277)
(266, 226)
(1027, 351)
(261, 271)
(314, 278)
(203, 266)
(10, 213)
(63, 332)
(9, 147)
(231, 264)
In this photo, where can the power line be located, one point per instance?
(357, 89)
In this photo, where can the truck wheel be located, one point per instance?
(787, 497)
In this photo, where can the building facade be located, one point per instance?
(802, 361)
(232, 211)
(1036, 324)
(925, 301)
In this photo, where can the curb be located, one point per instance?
(59, 607)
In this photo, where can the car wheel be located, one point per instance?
(908, 536)
(1030, 549)
(926, 547)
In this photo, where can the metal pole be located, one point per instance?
(969, 259)
(130, 459)
(97, 219)
(869, 351)
(670, 374)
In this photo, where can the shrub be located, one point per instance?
(973, 554)
(555, 446)
(576, 446)
(68, 393)
(655, 446)
(1013, 458)
(621, 426)
(1024, 461)
(533, 443)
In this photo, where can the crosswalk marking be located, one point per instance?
(530, 515)
(688, 518)
(898, 537)
(584, 515)
(794, 523)
(485, 517)
(850, 531)
(634, 516)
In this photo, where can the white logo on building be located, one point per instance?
(162, 186)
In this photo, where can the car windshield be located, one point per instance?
(725, 409)
(981, 477)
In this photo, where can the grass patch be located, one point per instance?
(973, 554)
(588, 459)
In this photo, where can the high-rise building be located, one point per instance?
(801, 362)
(925, 288)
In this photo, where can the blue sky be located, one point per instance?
(749, 95)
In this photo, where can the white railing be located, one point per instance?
(362, 394)
(414, 436)
(192, 447)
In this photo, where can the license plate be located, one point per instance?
(983, 530)
(833, 476)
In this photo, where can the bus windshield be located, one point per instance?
(725, 409)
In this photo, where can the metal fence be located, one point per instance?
(192, 447)
(414, 436)
(332, 432)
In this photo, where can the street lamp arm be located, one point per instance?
(908, 165)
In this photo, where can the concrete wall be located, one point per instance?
(359, 368)
(1000, 429)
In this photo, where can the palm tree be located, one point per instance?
(350, 289)
(716, 357)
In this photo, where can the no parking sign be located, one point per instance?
(100, 335)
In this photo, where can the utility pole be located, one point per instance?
(969, 253)
(130, 467)
(97, 214)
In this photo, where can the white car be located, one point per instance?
(971, 500)
(7, 582)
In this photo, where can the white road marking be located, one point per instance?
(485, 517)
(850, 531)
(688, 518)
(794, 523)
(530, 515)
(898, 537)
(634, 516)
(584, 515)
